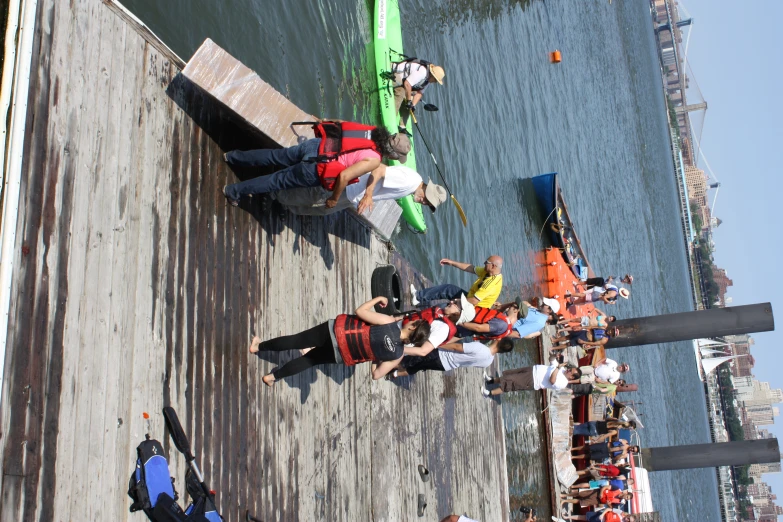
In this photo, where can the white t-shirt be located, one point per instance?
(474, 354)
(418, 73)
(439, 333)
(398, 183)
(463, 518)
(608, 371)
(541, 375)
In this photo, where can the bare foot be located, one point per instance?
(254, 344)
(269, 380)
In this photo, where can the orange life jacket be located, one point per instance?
(435, 313)
(336, 139)
(610, 496)
(484, 316)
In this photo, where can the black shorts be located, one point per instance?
(414, 364)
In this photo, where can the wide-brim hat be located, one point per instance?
(554, 304)
(400, 147)
(435, 195)
(624, 293)
(468, 310)
(438, 73)
(522, 305)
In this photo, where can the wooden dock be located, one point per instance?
(136, 286)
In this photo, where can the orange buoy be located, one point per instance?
(555, 57)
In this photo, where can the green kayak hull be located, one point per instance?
(387, 40)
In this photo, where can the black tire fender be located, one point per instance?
(386, 282)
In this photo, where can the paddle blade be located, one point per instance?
(430, 107)
(462, 215)
(176, 432)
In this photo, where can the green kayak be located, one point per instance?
(387, 38)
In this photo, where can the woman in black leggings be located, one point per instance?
(349, 340)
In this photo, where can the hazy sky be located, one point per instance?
(735, 55)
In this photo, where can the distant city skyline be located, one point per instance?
(742, 140)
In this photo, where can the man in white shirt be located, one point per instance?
(410, 80)
(384, 183)
(529, 378)
(607, 370)
(450, 356)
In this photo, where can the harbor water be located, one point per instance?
(507, 114)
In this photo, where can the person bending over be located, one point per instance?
(349, 340)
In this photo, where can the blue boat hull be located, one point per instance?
(546, 189)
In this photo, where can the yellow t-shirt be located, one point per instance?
(486, 288)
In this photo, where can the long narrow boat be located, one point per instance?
(559, 224)
(387, 40)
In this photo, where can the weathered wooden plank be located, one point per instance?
(161, 306)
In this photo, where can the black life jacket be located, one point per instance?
(407, 71)
(360, 342)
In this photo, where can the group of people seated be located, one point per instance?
(595, 328)
(606, 483)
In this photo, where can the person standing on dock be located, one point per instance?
(451, 356)
(349, 340)
(537, 377)
(484, 291)
(443, 327)
(339, 168)
(411, 77)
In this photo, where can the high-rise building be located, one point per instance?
(696, 181)
(758, 393)
(761, 415)
(740, 345)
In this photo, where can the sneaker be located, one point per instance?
(484, 391)
(487, 378)
(414, 301)
(225, 157)
(229, 200)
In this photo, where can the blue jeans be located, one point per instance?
(439, 293)
(296, 171)
(587, 429)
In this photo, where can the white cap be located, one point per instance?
(468, 310)
(554, 304)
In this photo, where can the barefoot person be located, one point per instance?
(602, 429)
(588, 338)
(349, 340)
(601, 451)
(595, 318)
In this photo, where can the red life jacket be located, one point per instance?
(484, 316)
(360, 342)
(336, 139)
(432, 314)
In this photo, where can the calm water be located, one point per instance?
(506, 115)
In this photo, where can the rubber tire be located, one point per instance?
(386, 282)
